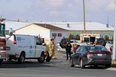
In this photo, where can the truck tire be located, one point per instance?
(63, 42)
(42, 58)
(1, 61)
(101, 41)
(21, 60)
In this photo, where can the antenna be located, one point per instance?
(45, 24)
(107, 25)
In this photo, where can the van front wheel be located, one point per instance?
(42, 58)
(21, 60)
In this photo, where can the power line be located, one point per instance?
(101, 8)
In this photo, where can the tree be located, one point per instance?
(71, 36)
(77, 37)
(106, 37)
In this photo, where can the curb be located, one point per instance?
(113, 63)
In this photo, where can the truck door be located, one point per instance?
(38, 47)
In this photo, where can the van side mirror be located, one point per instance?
(44, 44)
(10, 31)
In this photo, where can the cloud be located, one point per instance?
(54, 3)
(70, 5)
(54, 13)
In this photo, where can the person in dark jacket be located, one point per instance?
(68, 50)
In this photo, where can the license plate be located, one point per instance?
(99, 54)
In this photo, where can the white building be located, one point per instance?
(52, 29)
(45, 31)
(75, 28)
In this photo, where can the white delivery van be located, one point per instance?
(23, 47)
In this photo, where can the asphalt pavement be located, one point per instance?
(62, 55)
(59, 67)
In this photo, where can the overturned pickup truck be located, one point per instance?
(87, 39)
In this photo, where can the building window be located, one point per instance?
(59, 34)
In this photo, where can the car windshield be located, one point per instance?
(95, 48)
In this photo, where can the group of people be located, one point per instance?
(69, 46)
(52, 48)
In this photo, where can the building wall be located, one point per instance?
(58, 39)
(32, 27)
(42, 33)
(34, 30)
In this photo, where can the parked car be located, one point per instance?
(91, 55)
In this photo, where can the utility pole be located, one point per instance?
(84, 15)
(107, 20)
(114, 41)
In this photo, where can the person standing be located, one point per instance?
(74, 48)
(92, 43)
(52, 49)
(68, 50)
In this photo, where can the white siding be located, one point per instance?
(42, 33)
(58, 39)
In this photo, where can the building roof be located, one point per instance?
(62, 25)
(15, 25)
(79, 26)
(48, 26)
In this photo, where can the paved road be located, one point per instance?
(56, 68)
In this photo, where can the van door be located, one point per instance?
(32, 47)
(38, 47)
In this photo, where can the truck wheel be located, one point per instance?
(42, 58)
(101, 41)
(1, 61)
(21, 60)
(63, 42)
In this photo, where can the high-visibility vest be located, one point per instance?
(51, 46)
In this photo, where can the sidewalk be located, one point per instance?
(113, 64)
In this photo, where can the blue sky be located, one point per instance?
(58, 10)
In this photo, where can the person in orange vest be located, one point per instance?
(52, 49)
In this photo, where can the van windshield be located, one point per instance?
(2, 30)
